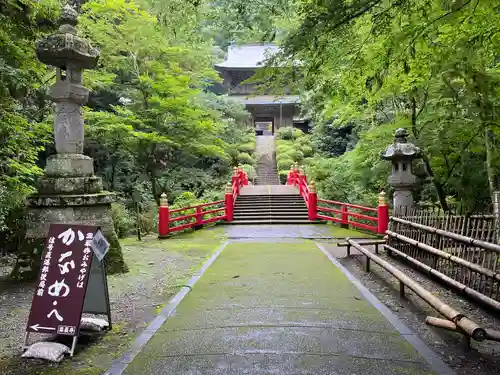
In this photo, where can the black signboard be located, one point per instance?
(61, 288)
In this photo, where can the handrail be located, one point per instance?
(345, 216)
(201, 217)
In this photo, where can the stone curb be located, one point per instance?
(120, 364)
(427, 353)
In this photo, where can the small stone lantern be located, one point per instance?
(401, 154)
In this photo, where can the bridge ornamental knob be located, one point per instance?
(163, 200)
(381, 199)
(312, 187)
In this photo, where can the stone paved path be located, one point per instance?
(271, 307)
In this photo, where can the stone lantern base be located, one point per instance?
(46, 209)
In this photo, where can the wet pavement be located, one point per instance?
(279, 307)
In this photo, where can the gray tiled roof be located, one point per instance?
(248, 56)
(265, 99)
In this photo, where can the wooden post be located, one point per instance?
(367, 264)
(344, 217)
(313, 202)
(229, 202)
(382, 214)
(163, 217)
(401, 290)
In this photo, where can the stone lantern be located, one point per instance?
(401, 154)
(68, 192)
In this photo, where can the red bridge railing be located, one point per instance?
(371, 219)
(196, 216)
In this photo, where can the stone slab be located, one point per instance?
(69, 165)
(289, 364)
(302, 317)
(276, 317)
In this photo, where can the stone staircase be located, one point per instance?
(267, 172)
(270, 209)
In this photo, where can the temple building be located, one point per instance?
(269, 112)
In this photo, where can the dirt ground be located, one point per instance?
(483, 358)
(157, 270)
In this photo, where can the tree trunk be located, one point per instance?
(490, 170)
(428, 169)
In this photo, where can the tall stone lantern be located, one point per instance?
(401, 154)
(68, 192)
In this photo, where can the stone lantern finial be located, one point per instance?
(69, 16)
(401, 153)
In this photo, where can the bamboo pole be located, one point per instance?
(443, 254)
(450, 326)
(468, 326)
(448, 280)
(457, 237)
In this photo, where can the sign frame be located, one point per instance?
(72, 238)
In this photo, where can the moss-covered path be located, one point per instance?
(278, 308)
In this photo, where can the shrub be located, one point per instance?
(244, 158)
(305, 140)
(283, 176)
(283, 148)
(123, 221)
(247, 148)
(308, 161)
(250, 171)
(295, 155)
(285, 133)
(297, 133)
(148, 217)
(283, 156)
(307, 151)
(285, 164)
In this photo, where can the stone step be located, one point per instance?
(285, 198)
(271, 206)
(286, 215)
(272, 221)
(268, 205)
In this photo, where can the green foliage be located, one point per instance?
(244, 158)
(289, 133)
(248, 148)
(123, 221)
(429, 66)
(283, 175)
(295, 155)
(250, 171)
(307, 151)
(285, 164)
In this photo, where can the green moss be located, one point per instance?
(337, 232)
(114, 258)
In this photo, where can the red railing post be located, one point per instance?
(344, 216)
(199, 217)
(312, 209)
(289, 177)
(229, 202)
(382, 214)
(301, 183)
(163, 217)
(302, 171)
(235, 179)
